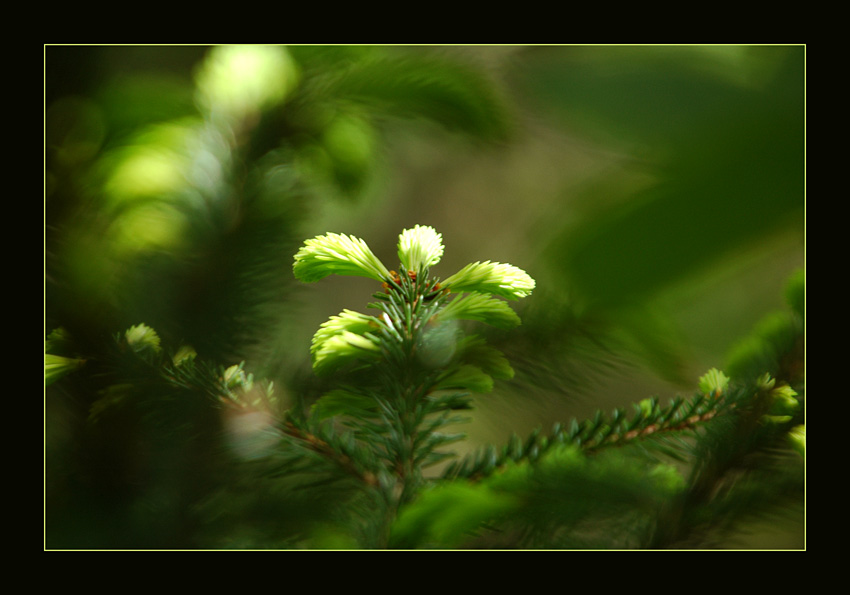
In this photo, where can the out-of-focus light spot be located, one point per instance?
(439, 345)
(206, 171)
(250, 434)
(155, 166)
(211, 155)
(150, 226)
(351, 141)
(280, 178)
(238, 81)
(145, 172)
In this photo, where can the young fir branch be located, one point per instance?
(649, 423)
(745, 467)
(750, 466)
(745, 464)
(401, 362)
(136, 370)
(619, 428)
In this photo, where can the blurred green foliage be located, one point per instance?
(725, 151)
(656, 193)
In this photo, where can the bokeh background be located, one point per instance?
(655, 193)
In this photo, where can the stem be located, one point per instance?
(407, 313)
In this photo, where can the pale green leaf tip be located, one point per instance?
(713, 383)
(142, 338)
(496, 278)
(56, 366)
(184, 355)
(797, 437)
(337, 254)
(420, 247)
(467, 377)
(346, 321)
(341, 348)
(482, 308)
(235, 377)
(783, 400)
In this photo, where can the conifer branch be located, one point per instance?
(337, 451)
(602, 431)
(407, 356)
